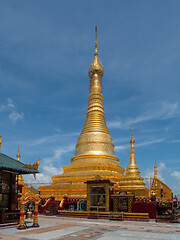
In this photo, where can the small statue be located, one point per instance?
(101, 201)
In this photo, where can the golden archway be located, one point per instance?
(29, 196)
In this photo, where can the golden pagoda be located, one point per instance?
(132, 181)
(158, 188)
(94, 154)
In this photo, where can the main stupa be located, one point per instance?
(94, 155)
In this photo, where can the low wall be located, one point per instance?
(106, 215)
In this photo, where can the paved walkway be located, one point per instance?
(85, 229)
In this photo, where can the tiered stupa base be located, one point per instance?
(71, 182)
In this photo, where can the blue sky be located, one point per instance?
(46, 48)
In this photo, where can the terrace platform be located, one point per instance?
(52, 227)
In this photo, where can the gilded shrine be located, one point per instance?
(94, 154)
(131, 180)
(95, 158)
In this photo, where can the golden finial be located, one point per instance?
(155, 169)
(132, 127)
(96, 66)
(0, 141)
(96, 52)
(132, 138)
(18, 155)
(156, 162)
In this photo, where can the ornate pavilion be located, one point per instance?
(11, 171)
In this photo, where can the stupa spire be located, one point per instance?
(155, 171)
(96, 52)
(95, 135)
(132, 181)
(132, 167)
(18, 155)
(96, 66)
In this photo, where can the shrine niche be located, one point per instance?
(122, 202)
(98, 194)
(82, 205)
(29, 198)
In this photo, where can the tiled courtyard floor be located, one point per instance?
(81, 229)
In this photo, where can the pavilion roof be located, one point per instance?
(13, 165)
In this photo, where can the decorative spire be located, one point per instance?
(155, 171)
(154, 185)
(0, 141)
(96, 52)
(132, 181)
(96, 66)
(18, 155)
(132, 167)
(95, 138)
(95, 121)
(132, 127)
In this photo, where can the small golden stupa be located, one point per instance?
(94, 155)
(158, 188)
(131, 180)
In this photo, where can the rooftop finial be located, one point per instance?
(96, 66)
(155, 169)
(96, 33)
(96, 52)
(132, 141)
(132, 127)
(18, 154)
(0, 141)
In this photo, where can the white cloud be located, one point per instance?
(161, 169)
(58, 153)
(2, 108)
(164, 111)
(149, 173)
(176, 175)
(116, 124)
(62, 150)
(57, 129)
(48, 168)
(175, 141)
(15, 116)
(121, 147)
(9, 106)
(44, 177)
(55, 138)
(176, 189)
(144, 143)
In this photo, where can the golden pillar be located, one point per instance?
(35, 222)
(22, 222)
